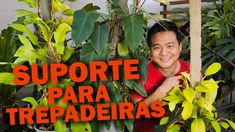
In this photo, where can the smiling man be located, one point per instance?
(164, 69)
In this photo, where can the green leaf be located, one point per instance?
(67, 53)
(32, 101)
(224, 125)
(207, 86)
(25, 52)
(204, 103)
(99, 37)
(81, 127)
(139, 89)
(122, 49)
(129, 124)
(7, 78)
(31, 3)
(173, 128)
(32, 37)
(43, 102)
(211, 95)
(133, 31)
(232, 124)
(212, 69)
(83, 25)
(189, 94)
(187, 111)
(60, 33)
(198, 125)
(216, 126)
(22, 12)
(68, 12)
(43, 26)
(60, 125)
(143, 66)
(90, 7)
(59, 48)
(164, 120)
(8, 46)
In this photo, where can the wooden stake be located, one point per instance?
(195, 40)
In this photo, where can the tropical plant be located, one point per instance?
(194, 105)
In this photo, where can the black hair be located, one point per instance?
(161, 26)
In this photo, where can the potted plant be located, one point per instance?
(193, 108)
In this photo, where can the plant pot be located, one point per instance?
(38, 130)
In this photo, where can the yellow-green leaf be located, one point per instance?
(232, 124)
(32, 37)
(32, 101)
(216, 126)
(198, 125)
(81, 127)
(60, 33)
(60, 125)
(164, 120)
(7, 78)
(187, 111)
(212, 69)
(204, 103)
(189, 94)
(211, 95)
(122, 50)
(207, 86)
(224, 125)
(173, 128)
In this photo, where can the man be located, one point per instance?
(164, 69)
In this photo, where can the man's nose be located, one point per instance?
(163, 51)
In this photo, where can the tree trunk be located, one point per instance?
(195, 40)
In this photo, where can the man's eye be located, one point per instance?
(156, 48)
(170, 46)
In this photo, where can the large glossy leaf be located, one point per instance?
(204, 103)
(81, 127)
(32, 101)
(216, 126)
(32, 37)
(8, 45)
(143, 69)
(99, 37)
(25, 52)
(43, 26)
(122, 49)
(133, 31)
(67, 53)
(138, 88)
(31, 3)
(173, 128)
(129, 124)
(198, 125)
(60, 33)
(7, 78)
(88, 54)
(207, 86)
(22, 12)
(211, 95)
(213, 68)
(187, 111)
(189, 94)
(60, 125)
(83, 25)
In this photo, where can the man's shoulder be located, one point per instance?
(185, 65)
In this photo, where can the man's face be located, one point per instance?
(165, 49)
